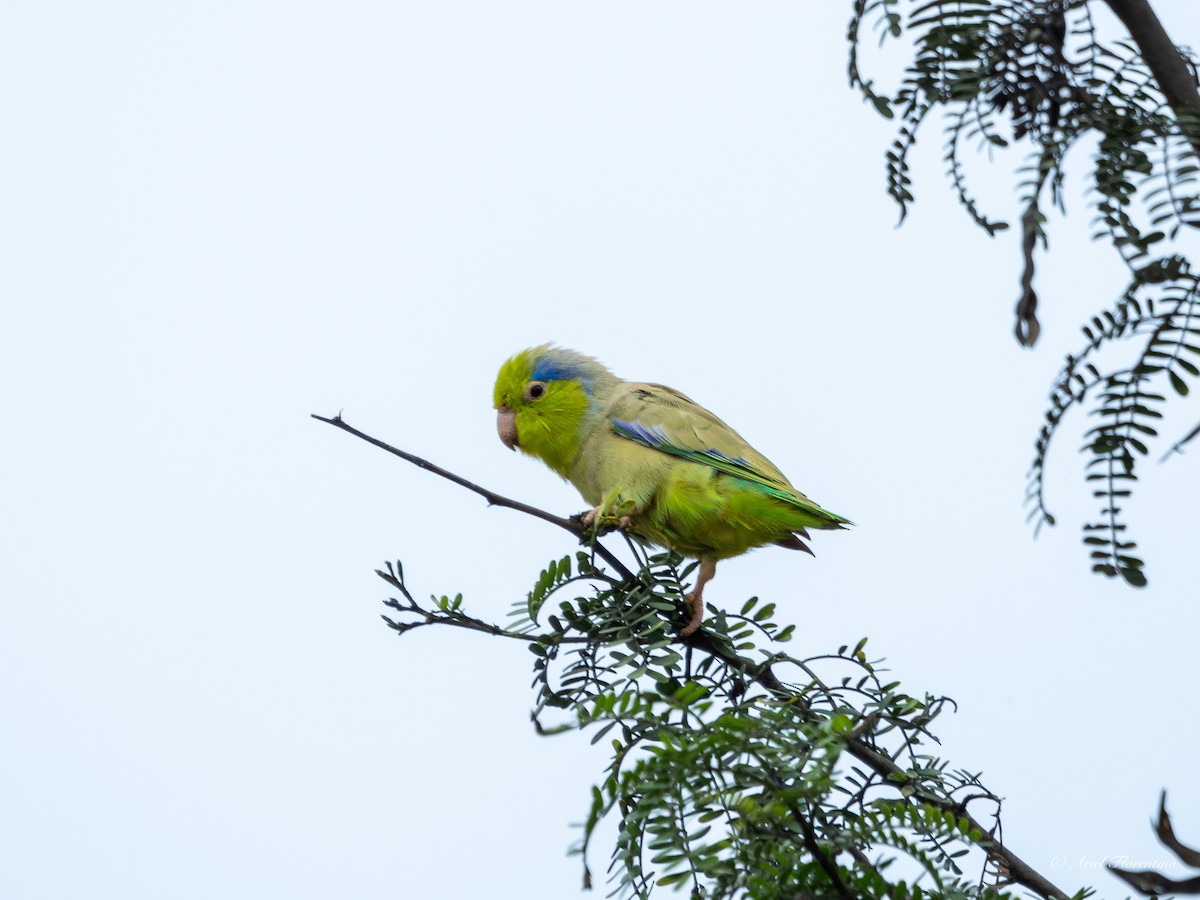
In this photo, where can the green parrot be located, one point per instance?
(652, 460)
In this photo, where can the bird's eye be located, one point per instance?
(534, 389)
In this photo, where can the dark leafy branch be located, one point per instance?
(1153, 883)
(737, 768)
(1174, 72)
(1036, 74)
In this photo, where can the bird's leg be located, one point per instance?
(708, 568)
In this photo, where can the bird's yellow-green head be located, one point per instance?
(545, 397)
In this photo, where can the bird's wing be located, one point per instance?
(666, 420)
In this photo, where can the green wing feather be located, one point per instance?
(665, 420)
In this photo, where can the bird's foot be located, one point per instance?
(608, 521)
(696, 602)
(597, 523)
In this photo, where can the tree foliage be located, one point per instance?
(737, 769)
(1036, 76)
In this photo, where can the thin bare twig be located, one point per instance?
(572, 525)
(1178, 446)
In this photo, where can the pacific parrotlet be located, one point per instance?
(652, 460)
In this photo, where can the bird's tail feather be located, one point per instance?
(794, 543)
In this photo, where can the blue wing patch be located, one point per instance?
(652, 437)
(655, 437)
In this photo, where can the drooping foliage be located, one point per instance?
(1127, 404)
(738, 770)
(1035, 76)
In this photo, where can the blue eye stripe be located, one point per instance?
(552, 372)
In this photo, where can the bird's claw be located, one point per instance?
(603, 523)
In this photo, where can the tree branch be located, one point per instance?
(1018, 870)
(1169, 67)
(700, 641)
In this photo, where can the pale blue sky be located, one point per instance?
(218, 218)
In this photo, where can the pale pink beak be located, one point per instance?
(506, 424)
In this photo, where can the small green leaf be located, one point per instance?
(1134, 575)
(673, 878)
(765, 613)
